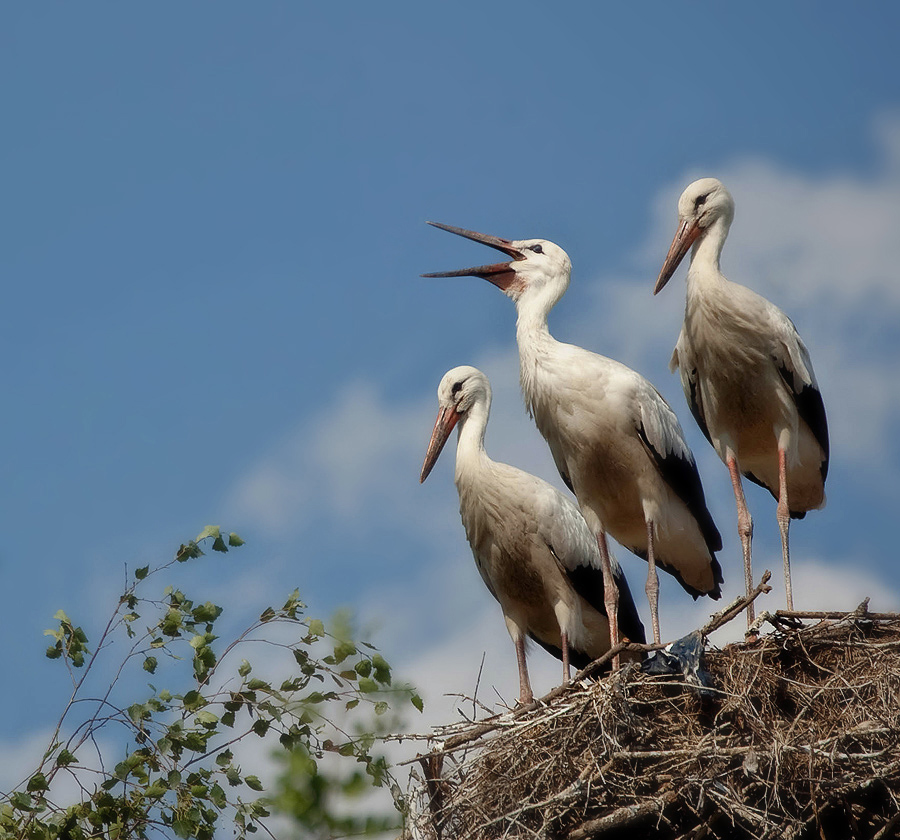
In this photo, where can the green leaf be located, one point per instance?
(417, 702)
(196, 741)
(234, 540)
(37, 782)
(21, 801)
(363, 667)
(65, 758)
(293, 602)
(183, 828)
(253, 782)
(188, 552)
(217, 796)
(171, 623)
(193, 700)
(261, 726)
(342, 650)
(381, 707)
(244, 668)
(141, 573)
(208, 531)
(150, 664)
(367, 686)
(138, 712)
(316, 628)
(382, 669)
(219, 545)
(207, 612)
(207, 719)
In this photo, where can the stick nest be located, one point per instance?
(798, 738)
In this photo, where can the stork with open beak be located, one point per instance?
(617, 444)
(532, 546)
(747, 375)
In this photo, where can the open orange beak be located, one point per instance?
(500, 274)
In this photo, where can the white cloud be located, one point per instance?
(349, 461)
(21, 757)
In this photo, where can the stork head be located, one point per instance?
(460, 390)
(701, 206)
(535, 266)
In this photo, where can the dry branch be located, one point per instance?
(800, 739)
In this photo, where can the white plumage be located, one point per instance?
(746, 374)
(532, 547)
(615, 441)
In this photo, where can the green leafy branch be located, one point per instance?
(179, 772)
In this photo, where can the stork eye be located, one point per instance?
(700, 201)
(538, 249)
(457, 387)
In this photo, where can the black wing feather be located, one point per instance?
(588, 583)
(683, 477)
(695, 403)
(811, 410)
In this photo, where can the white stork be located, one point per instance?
(531, 544)
(746, 374)
(617, 444)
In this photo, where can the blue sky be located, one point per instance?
(213, 223)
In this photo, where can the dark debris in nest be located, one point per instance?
(799, 738)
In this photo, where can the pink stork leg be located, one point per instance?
(610, 594)
(745, 530)
(652, 587)
(565, 656)
(525, 693)
(784, 523)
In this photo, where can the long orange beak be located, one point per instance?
(500, 274)
(446, 420)
(687, 232)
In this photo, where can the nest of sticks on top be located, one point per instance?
(797, 736)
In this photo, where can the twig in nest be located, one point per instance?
(432, 764)
(626, 817)
(737, 606)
